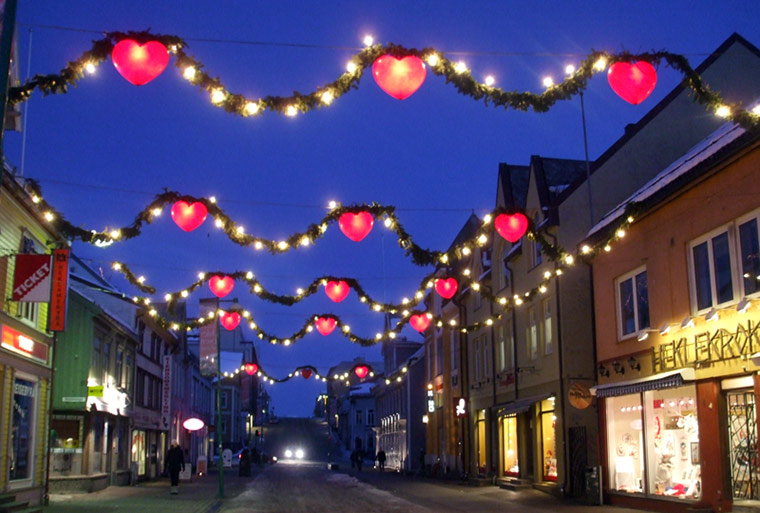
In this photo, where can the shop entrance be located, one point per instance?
(742, 432)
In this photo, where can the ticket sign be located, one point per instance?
(21, 344)
(31, 278)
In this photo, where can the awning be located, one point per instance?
(669, 379)
(520, 405)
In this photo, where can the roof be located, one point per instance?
(467, 231)
(361, 389)
(513, 182)
(672, 177)
(554, 176)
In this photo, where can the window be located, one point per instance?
(126, 379)
(510, 337)
(359, 417)
(548, 441)
(532, 334)
(712, 274)
(106, 361)
(536, 256)
(506, 275)
(632, 302)
(486, 362)
(155, 347)
(454, 350)
(28, 312)
(750, 256)
(224, 400)
(23, 418)
(439, 355)
(548, 335)
(477, 359)
(140, 335)
(371, 417)
(118, 377)
(502, 348)
(96, 364)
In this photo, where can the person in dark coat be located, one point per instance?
(381, 460)
(175, 462)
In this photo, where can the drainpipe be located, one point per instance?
(514, 326)
(493, 428)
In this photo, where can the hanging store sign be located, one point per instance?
(708, 347)
(430, 401)
(59, 290)
(166, 394)
(31, 279)
(14, 341)
(460, 407)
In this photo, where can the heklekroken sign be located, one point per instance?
(31, 278)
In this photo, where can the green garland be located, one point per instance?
(461, 80)
(346, 376)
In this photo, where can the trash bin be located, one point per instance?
(594, 486)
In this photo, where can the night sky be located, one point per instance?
(102, 151)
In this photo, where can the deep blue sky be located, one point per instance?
(434, 155)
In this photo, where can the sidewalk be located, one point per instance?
(199, 496)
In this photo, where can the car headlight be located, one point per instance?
(288, 453)
(299, 454)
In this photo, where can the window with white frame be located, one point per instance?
(502, 348)
(532, 334)
(510, 336)
(749, 256)
(632, 296)
(546, 306)
(486, 365)
(712, 273)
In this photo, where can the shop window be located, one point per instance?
(509, 434)
(22, 429)
(481, 434)
(712, 276)
(548, 439)
(632, 302)
(97, 443)
(138, 451)
(66, 433)
(625, 439)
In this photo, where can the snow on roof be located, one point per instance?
(361, 389)
(702, 151)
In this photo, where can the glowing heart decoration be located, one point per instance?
(511, 227)
(632, 81)
(230, 320)
(356, 226)
(221, 285)
(399, 78)
(325, 325)
(446, 288)
(189, 216)
(139, 64)
(306, 373)
(361, 371)
(251, 368)
(337, 290)
(420, 322)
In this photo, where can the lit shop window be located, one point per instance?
(548, 439)
(509, 432)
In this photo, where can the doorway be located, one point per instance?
(742, 435)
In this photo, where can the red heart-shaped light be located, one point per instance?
(399, 78)
(306, 373)
(139, 64)
(251, 368)
(446, 288)
(325, 325)
(189, 217)
(361, 371)
(511, 227)
(221, 285)
(633, 82)
(230, 320)
(337, 290)
(356, 226)
(420, 322)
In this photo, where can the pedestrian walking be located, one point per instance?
(175, 462)
(381, 460)
(353, 459)
(359, 459)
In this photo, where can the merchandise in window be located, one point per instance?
(625, 440)
(22, 429)
(548, 439)
(509, 432)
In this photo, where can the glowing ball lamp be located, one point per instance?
(193, 424)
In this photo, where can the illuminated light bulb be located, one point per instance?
(282, 245)
(542, 289)
(115, 234)
(392, 334)
(305, 241)
(183, 293)
(116, 266)
(490, 81)
(547, 274)
(489, 322)
(257, 288)
(378, 336)
(404, 369)
(89, 68)
(368, 40)
(249, 275)
(252, 325)
(212, 199)
(432, 59)
(218, 96)
(405, 301)
(387, 382)
(189, 72)
(141, 279)
(388, 223)
(569, 69)
(219, 223)
(49, 216)
(482, 239)
(398, 379)
(453, 322)
(487, 219)
(323, 228)
(630, 219)
(377, 308)
(475, 286)
(558, 272)
(419, 295)
(258, 244)
(466, 272)
(327, 97)
(607, 248)
(429, 284)
(569, 259)
(600, 64)
(251, 108)
(35, 199)
(240, 230)
(466, 251)
(620, 233)
(518, 301)
(351, 66)
(332, 204)
(175, 327)
(156, 212)
(152, 312)
(309, 328)
(299, 291)
(291, 111)
(363, 299)
(287, 342)
(723, 111)
(201, 276)
(585, 249)
(444, 258)
(502, 301)
(346, 328)
(548, 82)
(429, 316)
(246, 314)
(168, 297)
(460, 67)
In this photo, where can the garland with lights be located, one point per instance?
(455, 73)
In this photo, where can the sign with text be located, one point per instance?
(166, 394)
(207, 342)
(95, 391)
(31, 279)
(430, 401)
(23, 345)
(59, 291)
